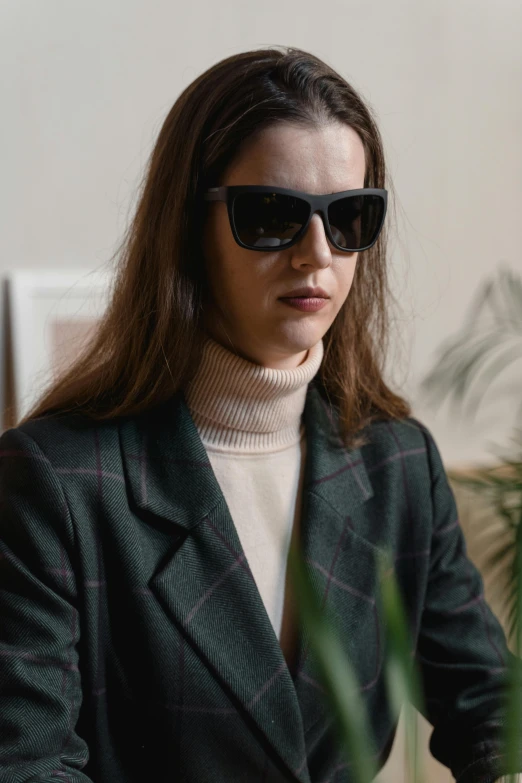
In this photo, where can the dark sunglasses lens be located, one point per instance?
(355, 220)
(268, 219)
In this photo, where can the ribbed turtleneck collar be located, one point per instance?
(241, 406)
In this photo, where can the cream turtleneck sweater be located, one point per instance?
(249, 418)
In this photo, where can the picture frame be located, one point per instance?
(50, 315)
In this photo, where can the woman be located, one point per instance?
(149, 499)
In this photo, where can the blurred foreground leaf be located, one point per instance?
(337, 676)
(402, 676)
(340, 682)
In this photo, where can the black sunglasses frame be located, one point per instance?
(317, 203)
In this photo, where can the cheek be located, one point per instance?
(346, 274)
(237, 282)
(351, 273)
(223, 267)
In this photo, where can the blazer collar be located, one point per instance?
(169, 476)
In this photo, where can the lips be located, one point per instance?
(308, 304)
(307, 292)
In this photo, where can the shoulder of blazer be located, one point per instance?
(407, 435)
(54, 434)
(67, 438)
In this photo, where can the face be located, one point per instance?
(246, 315)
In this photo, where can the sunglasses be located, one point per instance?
(269, 218)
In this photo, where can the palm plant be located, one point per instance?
(460, 361)
(490, 339)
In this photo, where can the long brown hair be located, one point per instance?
(148, 343)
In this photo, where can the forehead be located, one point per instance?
(315, 160)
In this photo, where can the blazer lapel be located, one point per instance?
(205, 586)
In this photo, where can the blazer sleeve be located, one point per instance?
(40, 688)
(462, 651)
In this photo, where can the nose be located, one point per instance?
(315, 242)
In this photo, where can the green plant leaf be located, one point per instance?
(402, 675)
(336, 675)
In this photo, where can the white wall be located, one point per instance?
(85, 87)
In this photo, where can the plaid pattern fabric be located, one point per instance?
(134, 644)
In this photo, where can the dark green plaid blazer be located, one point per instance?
(135, 646)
